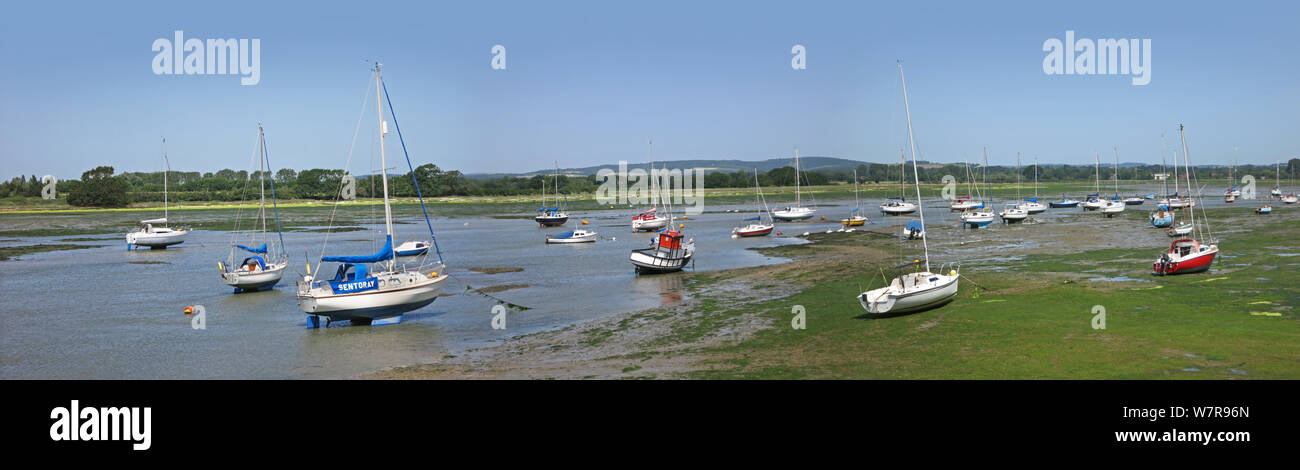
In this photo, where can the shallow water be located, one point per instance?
(118, 313)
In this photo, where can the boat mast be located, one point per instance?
(261, 176)
(383, 163)
(1035, 178)
(988, 190)
(1164, 166)
(911, 139)
(855, 189)
(654, 195)
(1116, 171)
(797, 202)
(1017, 176)
(166, 166)
(1187, 166)
(902, 174)
(1096, 156)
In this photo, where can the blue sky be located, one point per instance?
(590, 82)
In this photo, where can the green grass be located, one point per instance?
(1037, 326)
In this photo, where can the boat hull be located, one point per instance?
(891, 299)
(753, 231)
(370, 305)
(1064, 204)
(255, 280)
(156, 239)
(649, 224)
(646, 263)
(898, 209)
(587, 238)
(854, 222)
(551, 221)
(1195, 263)
(790, 215)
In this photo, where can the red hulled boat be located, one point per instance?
(1185, 256)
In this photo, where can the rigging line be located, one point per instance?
(393, 113)
(365, 99)
(274, 205)
(240, 208)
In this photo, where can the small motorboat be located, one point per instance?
(572, 236)
(667, 253)
(1185, 256)
(1064, 203)
(914, 230)
(1093, 202)
(1134, 200)
(1112, 207)
(1264, 210)
(977, 218)
(1013, 213)
(1162, 217)
(1290, 198)
(897, 205)
(412, 248)
(1032, 206)
(1229, 197)
(1179, 230)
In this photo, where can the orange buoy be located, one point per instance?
(189, 310)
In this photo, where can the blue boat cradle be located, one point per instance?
(261, 249)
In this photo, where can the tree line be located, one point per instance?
(100, 187)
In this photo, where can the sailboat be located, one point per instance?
(756, 227)
(898, 205)
(147, 234)
(1290, 197)
(918, 290)
(552, 217)
(373, 288)
(1114, 206)
(964, 203)
(1032, 206)
(263, 267)
(797, 211)
(1093, 201)
(980, 217)
(855, 216)
(1012, 213)
(1277, 180)
(1163, 216)
(1233, 192)
(667, 252)
(650, 219)
(1187, 255)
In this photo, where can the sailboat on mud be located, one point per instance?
(1031, 205)
(1163, 216)
(855, 219)
(1188, 255)
(1013, 212)
(147, 235)
(669, 251)
(554, 216)
(265, 265)
(369, 289)
(921, 289)
(898, 205)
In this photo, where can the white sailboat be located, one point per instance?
(898, 205)
(1113, 206)
(1012, 213)
(756, 227)
(147, 235)
(797, 211)
(921, 289)
(1032, 206)
(1277, 180)
(1093, 201)
(984, 215)
(965, 203)
(265, 266)
(1188, 255)
(650, 219)
(554, 216)
(357, 293)
(855, 219)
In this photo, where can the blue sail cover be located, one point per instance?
(1032, 199)
(257, 259)
(568, 234)
(915, 225)
(261, 249)
(753, 219)
(855, 209)
(385, 253)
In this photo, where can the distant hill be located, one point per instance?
(810, 163)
